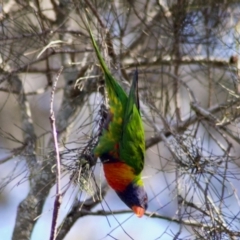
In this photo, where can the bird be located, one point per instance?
(121, 146)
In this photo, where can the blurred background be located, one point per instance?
(187, 55)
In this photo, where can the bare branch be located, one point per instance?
(58, 197)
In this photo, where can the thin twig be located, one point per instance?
(58, 197)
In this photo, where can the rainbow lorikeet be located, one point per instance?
(121, 146)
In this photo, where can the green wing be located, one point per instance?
(126, 127)
(132, 145)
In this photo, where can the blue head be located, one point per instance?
(135, 197)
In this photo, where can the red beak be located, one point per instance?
(139, 211)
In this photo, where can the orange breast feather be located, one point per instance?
(119, 175)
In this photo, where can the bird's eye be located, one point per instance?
(146, 206)
(145, 202)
